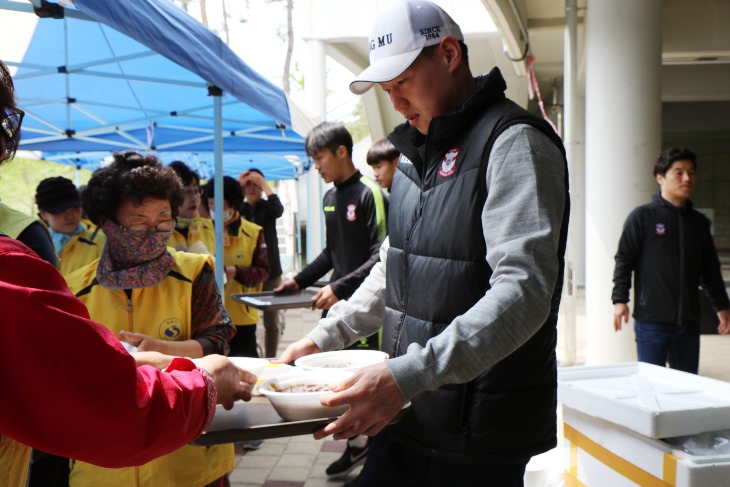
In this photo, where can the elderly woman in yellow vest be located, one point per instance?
(190, 227)
(155, 298)
(59, 206)
(246, 264)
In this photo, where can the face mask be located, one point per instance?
(183, 223)
(227, 215)
(61, 239)
(133, 259)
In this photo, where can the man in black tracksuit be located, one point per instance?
(355, 218)
(668, 245)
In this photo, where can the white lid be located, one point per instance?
(654, 401)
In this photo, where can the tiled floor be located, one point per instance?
(301, 461)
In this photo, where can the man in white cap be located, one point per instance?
(469, 282)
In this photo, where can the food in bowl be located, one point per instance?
(350, 360)
(296, 396)
(304, 388)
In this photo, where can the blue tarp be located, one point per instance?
(86, 86)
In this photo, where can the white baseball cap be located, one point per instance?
(399, 35)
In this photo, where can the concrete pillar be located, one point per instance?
(623, 137)
(574, 140)
(317, 89)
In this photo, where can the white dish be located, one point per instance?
(345, 360)
(300, 406)
(271, 370)
(254, 365)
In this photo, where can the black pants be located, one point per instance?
(391, 463)
(48, 470)
(243, 343)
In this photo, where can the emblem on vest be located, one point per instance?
(170, 329)
(351, 217)
(448, 164)
(661, 229)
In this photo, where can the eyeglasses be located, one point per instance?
(11, 120)
(165, 226)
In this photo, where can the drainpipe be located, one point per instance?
(570, 136)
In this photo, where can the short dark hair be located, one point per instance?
(382, 149)
(232, 192)
(670, 156)
(131, 175)
(253, 169)
(328, 135)
(428, 51)
(185, 173)
(8, 143)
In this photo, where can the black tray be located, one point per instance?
(257, 420)
(267, 300)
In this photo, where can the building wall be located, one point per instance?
(713, 186)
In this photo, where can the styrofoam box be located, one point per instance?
(653, 401)
(602, 454)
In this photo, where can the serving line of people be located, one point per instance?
(109, 408)
(477, 228)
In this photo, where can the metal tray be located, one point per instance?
(257, 420)
(267, 300)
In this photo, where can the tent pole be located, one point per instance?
(218, 186)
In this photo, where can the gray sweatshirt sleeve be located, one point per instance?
(359, 316)
(521, 222)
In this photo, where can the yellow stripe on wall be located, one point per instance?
(618, 464)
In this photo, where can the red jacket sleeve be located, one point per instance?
(68, 386)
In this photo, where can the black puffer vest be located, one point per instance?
(437, 271)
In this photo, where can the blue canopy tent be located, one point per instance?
(158, 81)
(276, 167)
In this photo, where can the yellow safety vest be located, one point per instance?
(200, 229)
(14, 461)
(163, 312)
(80, 251)
(240, 252)
(13, 222)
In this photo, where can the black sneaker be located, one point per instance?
(351, 458)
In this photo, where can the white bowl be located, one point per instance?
(300, 406)
(272, 370)
(253, 365)
(347, 360)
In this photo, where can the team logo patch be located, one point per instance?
(170, 329)
(661, 229)
(351, 216)
(448, 164)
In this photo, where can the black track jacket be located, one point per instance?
(671, 252)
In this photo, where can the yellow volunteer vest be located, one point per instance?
(14, 462)
(200, 229)
(13, 222)
(163, 312)
(80, 251)
(240, 252)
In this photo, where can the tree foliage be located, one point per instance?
(19, 179)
